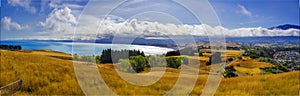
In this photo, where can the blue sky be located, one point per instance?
(29, 18)
(265, 13)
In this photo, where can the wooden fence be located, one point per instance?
(11, 88)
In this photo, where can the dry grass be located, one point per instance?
(248, 66)
(41, 73)
(44, 74)
(272, 84)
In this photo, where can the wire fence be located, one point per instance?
(11, 88)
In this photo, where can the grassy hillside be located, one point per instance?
(248, 66)
(43, 72)
(48, 72)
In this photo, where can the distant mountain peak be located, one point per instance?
(286, 27)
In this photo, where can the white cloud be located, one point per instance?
(60, 20)
(22, 3)
(89, 29)
(61, 25)
(244, 11)
(8, 24)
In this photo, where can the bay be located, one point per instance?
(84, 48)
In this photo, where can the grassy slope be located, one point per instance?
(46, 72)
(248, 66)
(41, 73)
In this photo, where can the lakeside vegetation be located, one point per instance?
(10, 47)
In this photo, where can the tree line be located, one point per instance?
(136, 61)
(185, 51)
(10, 47)
(113, 56)
(139, 63)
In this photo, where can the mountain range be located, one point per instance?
(285, 27)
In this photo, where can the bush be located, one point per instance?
(230, 59)
(230, 72)
(157, 61)
(134, 64)
(97, 59)
(125, 65)
(262, 59)
(138, 63)
(174, 62)
(200, 53)
(275, 69)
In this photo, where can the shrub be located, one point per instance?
(262, 59)
(275, 69)
(230, 59)
(97, 59)
(157, 61)
(139, 63)
(200, 53)
(230, 72)
(174, 62)
(125, 65)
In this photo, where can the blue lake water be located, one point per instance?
(84, 48)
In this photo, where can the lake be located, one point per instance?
(84, 48)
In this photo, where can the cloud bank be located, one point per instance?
(61, 24)
(8, 24)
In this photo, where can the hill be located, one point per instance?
(286, 27)
(46, 72)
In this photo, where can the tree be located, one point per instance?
(157, 61)
(173, 53)
(113, 56)
(230, 59)
(125, 65)
(200, 53)
(139, 63)
(97, 59)
(174, 62)
(230, 72)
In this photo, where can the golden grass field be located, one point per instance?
(248, 66)
(47, 72)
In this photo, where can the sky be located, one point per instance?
(61, 19)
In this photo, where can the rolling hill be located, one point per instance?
(46, 72)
